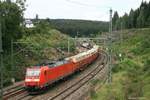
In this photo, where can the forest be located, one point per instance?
(139, 18)
(78, 28)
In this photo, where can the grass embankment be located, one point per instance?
(47, 46)
(131, 72)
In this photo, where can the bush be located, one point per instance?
(146, 68)
(143, 47)
(124, 65)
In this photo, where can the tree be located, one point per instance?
(114, 20)
(12, 18)
(125, 21)
(148, 21)
(141, 19)
(118, 24)
(143, 15)
(137, 19)
(136, 14)
(9, 1)
(131, 19)
(37, 17)
(21, 4)
(148, 12)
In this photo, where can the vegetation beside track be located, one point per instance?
(131, 70)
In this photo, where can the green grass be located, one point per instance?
(45, 40)
(131, 72)
(45, 45)
(110, 91)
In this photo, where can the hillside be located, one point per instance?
(131, 71)
(46, 45)
(83, 27)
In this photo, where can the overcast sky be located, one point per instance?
(78, 9)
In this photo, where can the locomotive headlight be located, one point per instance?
(32, 80)
(36, 80)
(27, 80)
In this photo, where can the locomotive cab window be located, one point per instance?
(33, 73)
(58, 63)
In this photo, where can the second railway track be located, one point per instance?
(13, 91)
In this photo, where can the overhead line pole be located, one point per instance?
(121, 34)
(110, 48)
(12, 63)
(1, 61)
(68, 46)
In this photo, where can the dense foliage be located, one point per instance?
(11, 19)
(138, 18)
(79, 27)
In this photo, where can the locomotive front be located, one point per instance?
(32, 79)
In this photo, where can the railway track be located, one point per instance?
(74, 87)
(16, 93)
(21, 94)
(12, 87)
(8, 93)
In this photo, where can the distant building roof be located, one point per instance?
(28, 23)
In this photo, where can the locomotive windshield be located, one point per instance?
(34, 72)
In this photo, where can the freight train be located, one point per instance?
(38, 77)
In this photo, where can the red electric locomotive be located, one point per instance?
(41, 76)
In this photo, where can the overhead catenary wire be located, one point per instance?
(92, 6)
(87, 5)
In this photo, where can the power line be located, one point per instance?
(78, 3)
(87, 5)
